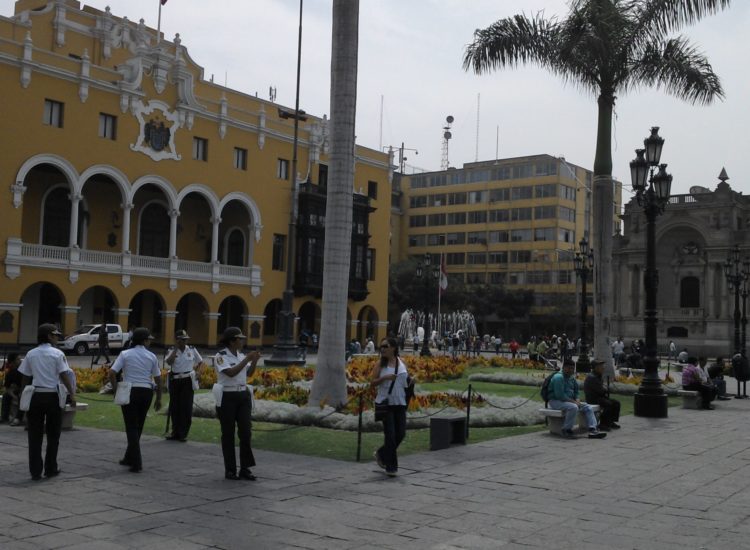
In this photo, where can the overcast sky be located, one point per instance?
(410, 55)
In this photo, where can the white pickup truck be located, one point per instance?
(87, 338)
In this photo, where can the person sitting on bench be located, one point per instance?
(694, 379)
(564, 397)
(596, 394)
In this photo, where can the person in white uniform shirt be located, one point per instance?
(232, 370)
(182, 359)
(46, 365)
(140, 369)
(389, 375)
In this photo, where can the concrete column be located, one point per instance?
(709, 291)
(75, 201)
(70, 319)
(127, 208)
(121, 317)
(215, 239)
(213, 325)
(173, 215)
(167, 323)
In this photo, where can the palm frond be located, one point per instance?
(657, 17)
(679, 69)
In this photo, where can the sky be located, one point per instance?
(410, 70)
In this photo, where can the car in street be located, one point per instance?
(87, 338)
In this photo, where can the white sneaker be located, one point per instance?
(15, 422)
(379, 460)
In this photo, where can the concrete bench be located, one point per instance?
(690, 399)
(445, 432)
(69, 414)
(554, 419)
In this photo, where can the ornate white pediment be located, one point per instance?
(157, 128)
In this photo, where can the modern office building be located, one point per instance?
(139, 192)
(514, 222)
(694, 238)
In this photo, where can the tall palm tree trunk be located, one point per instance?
(603, 198)
(329, 384)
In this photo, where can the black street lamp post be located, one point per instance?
(584, 264)
(651, 186)
(737, 272)
(424, 273)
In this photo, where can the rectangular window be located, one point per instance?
(457, 198)
(372, 190)
(279, 244)
(566, 235)
(476, 237)
(497, 278)
(564, 277)
(282, 169)
(546, 190)
(498, 237)
(544, 234)
(520, 256)
(503, 173)
(477, 197)
(240, 158)
(418, 221)
(499, 215)
(520, 214)
(497, 258)
(567, 214)
(479, 216)
(107, 126)
(567, 193)
(53, 113)
(546, 168)
(417, 240)
(500, 195)
(200, 149)
(455, 258)
(520, 235)
(519, 193)
(418, 202)
(516, 278)
(545, 212)
(322, 175)
(437, 200)
(455, 218)
(475, 278)
(476, 258)
(434, 220)
(522, 171)
(455, 238)
(370, 264)
(436, 239)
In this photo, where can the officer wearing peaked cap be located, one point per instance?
(182, 359)
(234, 402)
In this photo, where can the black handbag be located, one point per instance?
(381, 409)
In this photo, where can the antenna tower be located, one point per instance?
(476, 148)
(446, 137)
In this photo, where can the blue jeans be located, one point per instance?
(571, 410)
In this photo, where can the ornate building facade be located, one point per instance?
(142, 194)
(694, 237)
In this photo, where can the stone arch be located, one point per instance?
(161, 183)
(191, 316)
(309, 317)
(146, 311)
(252, 209)
(96, 305)
(54, 160)
(231, 310)
(120, 179)
(271, 313)
(368, 324)
(43, 302)
(229, 254)
(203, 190)
(164, 234)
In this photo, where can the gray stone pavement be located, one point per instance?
(676, 483)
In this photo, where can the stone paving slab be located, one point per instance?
(676, 483)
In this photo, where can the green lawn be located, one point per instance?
(336, 444)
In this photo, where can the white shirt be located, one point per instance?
(398, 395)
(45, 364)
(138, 365)
(618, 347)
(226, 360)
(186, 360)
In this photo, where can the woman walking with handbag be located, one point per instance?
(390, 377)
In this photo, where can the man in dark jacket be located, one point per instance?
(596, 394)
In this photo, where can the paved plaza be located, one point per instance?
(679, 483)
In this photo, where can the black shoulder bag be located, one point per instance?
(381, 409)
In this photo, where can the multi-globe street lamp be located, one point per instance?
(584, 264)
(651, 184)
(423, 272)
(737, 272)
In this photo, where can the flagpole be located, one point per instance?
(440, 295)
(158, 25)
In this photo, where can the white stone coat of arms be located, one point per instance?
(157, 129)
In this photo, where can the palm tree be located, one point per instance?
(608, 48)
(329, 384)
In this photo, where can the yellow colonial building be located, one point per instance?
(139, 193)
(515, 222)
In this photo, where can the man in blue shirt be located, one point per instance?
(564, 397)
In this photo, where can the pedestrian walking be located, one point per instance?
(182, 383)
(390, 377)
(44, 399)
(12, 382)
(103, 344)
(234, 402)
(140, 377)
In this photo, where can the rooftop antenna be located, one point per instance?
(446, 137)
(497, 144)
(476, 148)
(272, 93)
(381, 124)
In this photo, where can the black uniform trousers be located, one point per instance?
(134, 415)
(181, 406)
(610, 411)
(394, 431)
(44, 416)
(235, 410)
(707, 391)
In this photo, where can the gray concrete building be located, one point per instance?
(694, 237)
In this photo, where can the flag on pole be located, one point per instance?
(443, 275)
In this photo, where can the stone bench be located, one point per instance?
(69, 414)
(690, 399)
(554, 419)
(445, 432)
